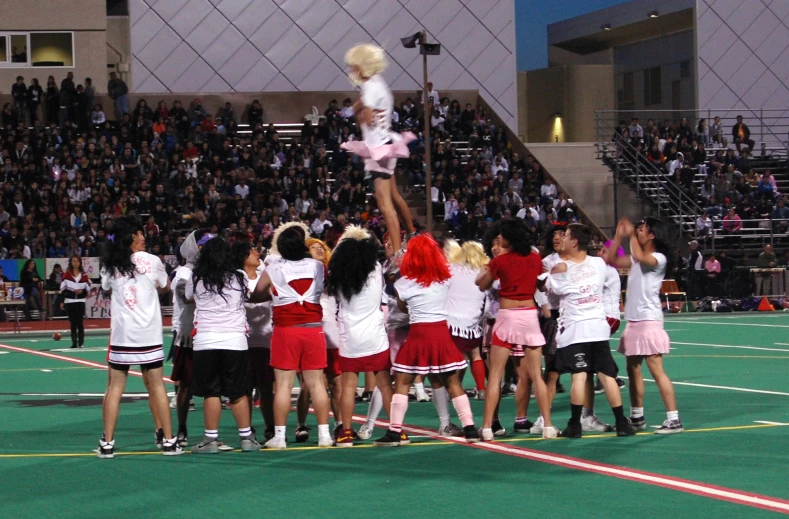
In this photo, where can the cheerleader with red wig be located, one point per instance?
(429, 350)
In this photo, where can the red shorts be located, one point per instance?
(516, 350)
(374, 363)
(467, 345)
(333, 363)
(298, 349)
(260, 370)
(182, 366)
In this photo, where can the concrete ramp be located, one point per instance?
(589, 182)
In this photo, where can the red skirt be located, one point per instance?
(374, 363)
(429, 349)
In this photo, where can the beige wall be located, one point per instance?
(46, 15)
(575, 92)
(90, 61)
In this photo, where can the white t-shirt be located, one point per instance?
(643, 290)
(361, 320)
(548, 262)
(377, 97)
(258, 316)
(183, 312)
(136, 320)
(329, 321)
(465, 303)
(395, 318)
(581, 311)
(221, 322)
(612, 293)
(426, 304)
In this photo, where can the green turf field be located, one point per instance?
(730, 376)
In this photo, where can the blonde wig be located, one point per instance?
(369, 59)
(471, 254)
(327, 251)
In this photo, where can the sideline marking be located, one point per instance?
(730, 388)
(69, 359)
(770, 423)
(693, 321)
(735, 346)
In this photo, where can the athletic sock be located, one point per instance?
(211, 434)
(323, 431)
(463, 409)
(397, 412)
(374, 407)
(636, 412)
(478, 372)
(279, 431)
(420, 386)
(441, 405)
(619, 413)
(337, 424)
(521, 419)
(575, 419)
(244, 431)
(673, 415)
(587, 412)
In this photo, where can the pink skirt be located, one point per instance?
(644, 338)
(398, 149)
(428, 349)
(518, 326)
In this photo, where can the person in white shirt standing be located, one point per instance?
(135, 279)
(380, 146)
(644, 337)
(221, 351)
(582, 346)
(356, 280)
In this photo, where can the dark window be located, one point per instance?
(652, 86)
(684, 69)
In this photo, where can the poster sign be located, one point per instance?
(96, 305)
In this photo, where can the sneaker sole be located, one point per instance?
(106, 456)
(387, 444)
(344, 445)
(205, 452)
(598, 429)
(274, 448)
(669, 431)
(625, 433)
(176, 453)
(500, 433)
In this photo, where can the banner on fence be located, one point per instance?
(96, 305)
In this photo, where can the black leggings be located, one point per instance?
(76, 316)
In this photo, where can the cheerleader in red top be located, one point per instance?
(517, 322)
(75, 287)
(429, 350)
(294, 284)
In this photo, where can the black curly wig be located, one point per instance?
(350, 265)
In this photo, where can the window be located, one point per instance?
(684, 69)
(37, 49)
(625, 90)
(652, 87)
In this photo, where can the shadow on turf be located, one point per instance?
(69, 402)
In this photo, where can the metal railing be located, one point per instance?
(648, 180)
(742, 233)
(769, 127)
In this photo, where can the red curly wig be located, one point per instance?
(424, 261)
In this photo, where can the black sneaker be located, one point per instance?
(670, 427)
(390, 439)
(302, 434)
(572, 431)
(172, 448)
(337, 431)
(158, 438)
(472, 435)
(183, 439)
(620, 382)
(268, 434)
(560, 388)
(639, 424)
(497, 428)
(364, 397)
(625, 428)
(106, 450)
(523, 427)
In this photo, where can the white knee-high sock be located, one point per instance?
(441, 403)
(374, 407)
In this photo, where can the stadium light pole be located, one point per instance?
(425, 49)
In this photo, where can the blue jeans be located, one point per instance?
(122, 105)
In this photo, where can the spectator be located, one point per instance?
(35, 95)
(766, 260)
(717, 133)
(30, 282)
(767, 186)
(713, 268)
(732, 223)
(780, 218)
(19, 94)
(742, 135)
(98, 116)
(704, 225)
(119, 93)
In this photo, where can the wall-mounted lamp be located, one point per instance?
(556, 115)
(606, 27)
(653, 14)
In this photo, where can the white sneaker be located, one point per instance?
(480, 395)
(325, 441)
(486, 435)
(450, 431)
(276, 444)
(421, 396)
(537, 427)
(365, 432)
(594, 424)
(550, 432)
(223, 446)
(174, 402)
